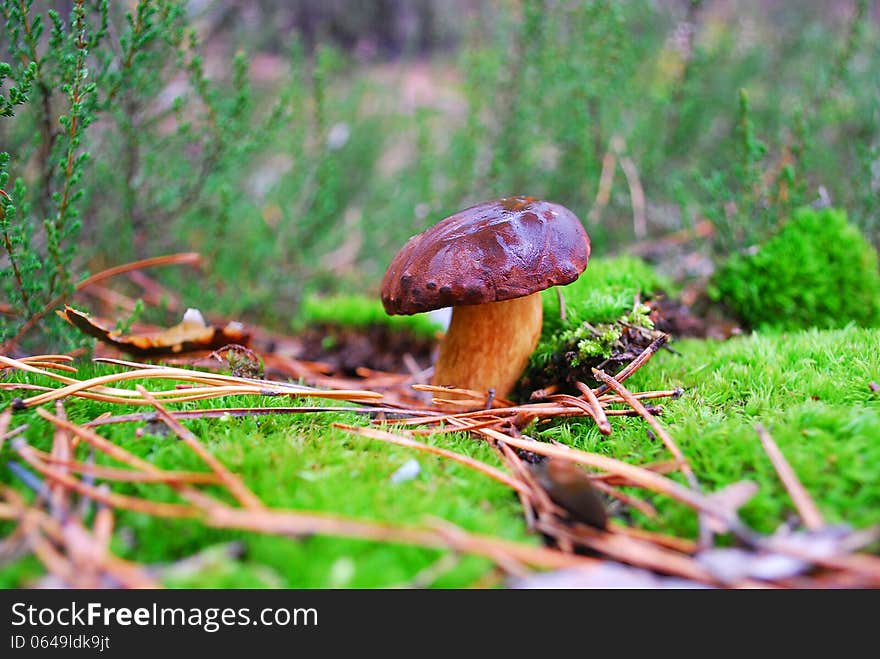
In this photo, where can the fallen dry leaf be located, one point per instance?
(192, 334)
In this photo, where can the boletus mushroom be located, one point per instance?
(489, 263)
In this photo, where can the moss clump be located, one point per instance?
(359, 311)
(603, 293)
(604, 323)
(817, 271)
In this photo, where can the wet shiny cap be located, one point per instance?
(495, 251)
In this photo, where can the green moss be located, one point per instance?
(602, 294)
(811, 389)
(603, 316)
(359, 311)
(817, 271)
(297, 462)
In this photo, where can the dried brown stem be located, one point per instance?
(299, 524)
(665, 437)
(802, 500)
(125, 573)
(637, 475)
(628, 499)
(221, 412)
(234, 484)
(633, 551)
(61, 451)
(659, 430)
(120, 454)
(400, 440)
(136, 504)
(598, 410)
(129, 475)
(636, 363)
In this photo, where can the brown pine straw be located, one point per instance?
(218, 515)
(628, 499)
(130, 475)
(665, 437)
(682, 545)
(538, 492)
(52, 365)
(633, 551)
(220, 412)
(641, 395)
(5, 420)
(400, 440)
(61, 451)
(630, 548)
(547, 410)
(57, 362)
(100, 443)
(299, 524)
(521, 489)
(456, 428)
(598, 410)
(80, 556)
(659, 430)
(136, 504)
(37, 523)
(144, 372)
(805, 505)
(585, 408)
(234, 484)
(636, 363)
(665, 467)
(638, 476)
(121, 455)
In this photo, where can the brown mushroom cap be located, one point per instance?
(495, 251)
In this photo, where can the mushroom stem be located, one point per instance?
(488, 345)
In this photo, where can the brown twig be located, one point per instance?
(400, 440)
(234, 484)
(634, 551)
(637, 475)
(598, 410)
(659, 430)
(61, 451)
(136, 504)
(665, 437)
(121, 455)
(627, 499)
(125, 573)
(298, 524)
(636, 363)
(222, 412)
(130, 475)
(805, 505)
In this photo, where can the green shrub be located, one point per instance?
(817, 271)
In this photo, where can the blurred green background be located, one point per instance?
(297, 145)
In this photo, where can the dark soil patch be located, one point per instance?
(377, 347)
(346, 351)
(701, 320)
